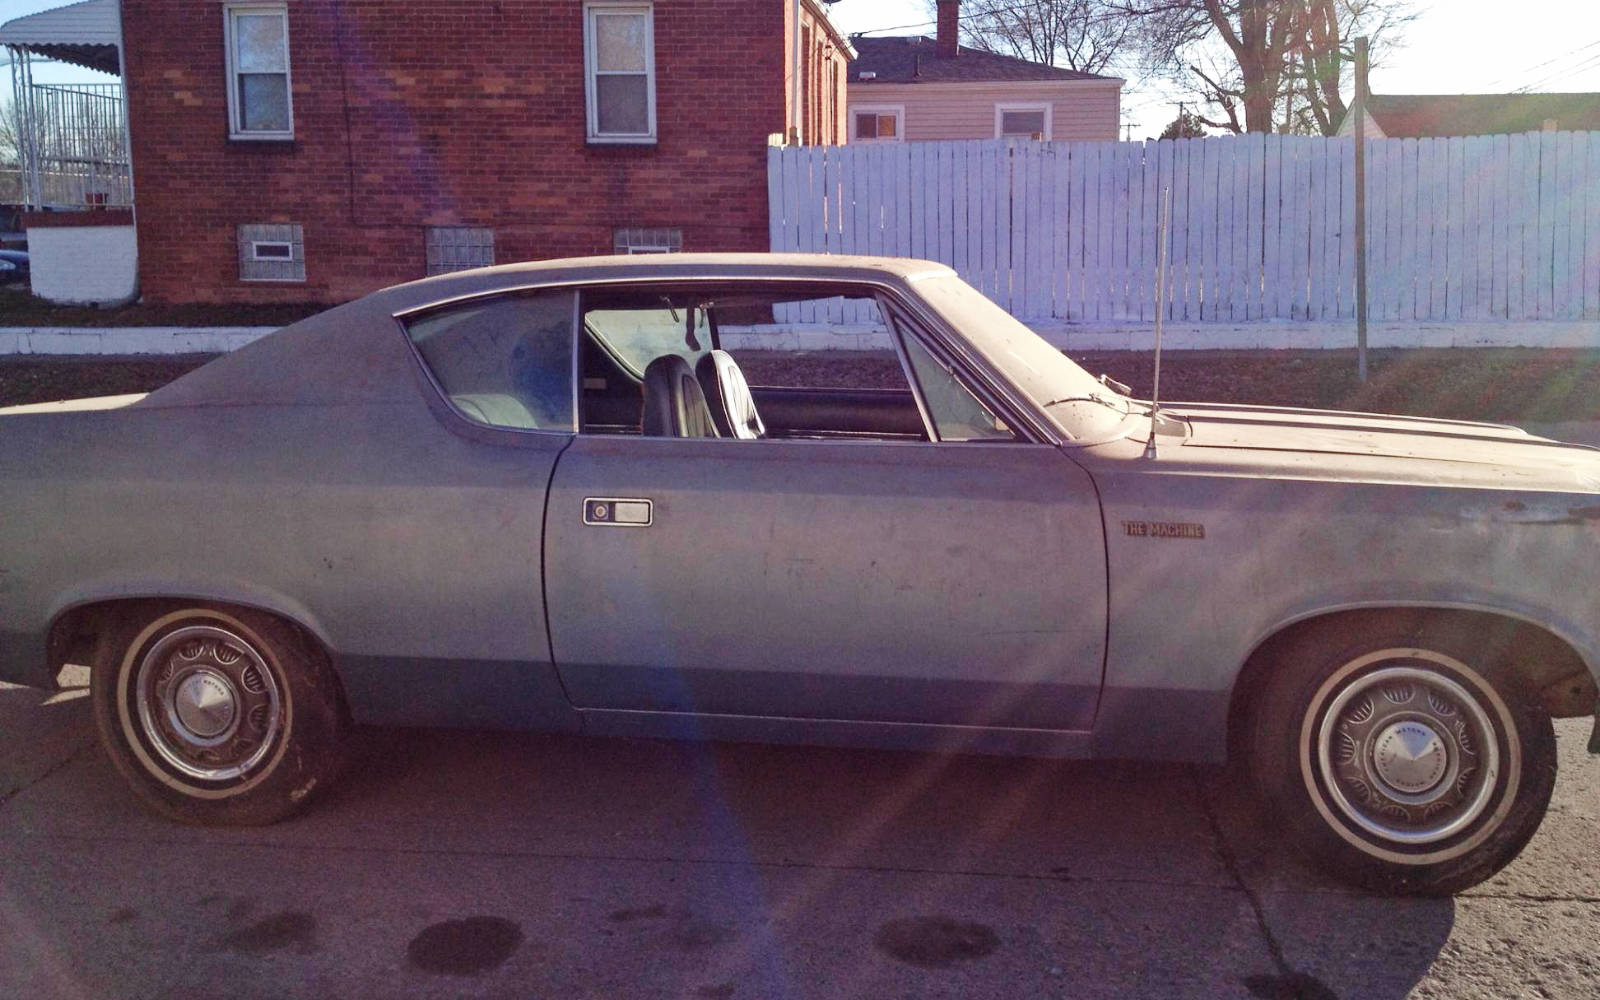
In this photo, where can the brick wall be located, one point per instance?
(411, 113)
(824, 63)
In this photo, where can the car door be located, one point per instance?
(861, 579)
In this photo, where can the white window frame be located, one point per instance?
(897, 110)
(1000, 116)
(591, 70)
(231, 10)
(287, 245)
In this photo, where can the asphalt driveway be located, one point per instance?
(468, 865)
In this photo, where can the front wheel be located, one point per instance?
(1406, 757)
(216, 715)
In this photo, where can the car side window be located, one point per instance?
(957, 414)
(748, 361)
(503, 362)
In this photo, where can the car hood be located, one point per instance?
(1379, 448)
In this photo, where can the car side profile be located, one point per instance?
(646, 497)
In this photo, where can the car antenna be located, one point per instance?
(1161, 312)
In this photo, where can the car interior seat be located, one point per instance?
(674, 404)
(727, 393)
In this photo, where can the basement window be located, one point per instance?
(620, 71)
(634, 240)
(458, 248)
(271, 252)
(259, 101)
(1022, 121)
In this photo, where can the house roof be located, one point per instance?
(1406, 116)
(85, 34)
(915, 59)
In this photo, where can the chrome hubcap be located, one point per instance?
(207, 703)
(1408, 755)
(204, 706)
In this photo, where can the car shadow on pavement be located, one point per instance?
(644, 868)
(1163, 877)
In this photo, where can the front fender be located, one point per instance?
(1577, 635)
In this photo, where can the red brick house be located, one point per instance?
(313, 150)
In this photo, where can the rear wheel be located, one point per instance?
(1405, 756)
(216, 715)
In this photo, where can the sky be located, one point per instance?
(1455, 46)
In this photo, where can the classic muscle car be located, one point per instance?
(635, 497)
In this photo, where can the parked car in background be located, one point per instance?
(13, 265)
(547, 496)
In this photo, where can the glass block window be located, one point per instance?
(458, 248)
(620, 71)
(259, 102)
(635, 240)
(272, 251)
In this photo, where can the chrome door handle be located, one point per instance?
(618, 512)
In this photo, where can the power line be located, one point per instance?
(1548, 62)
(962, 17)
(1590, 63)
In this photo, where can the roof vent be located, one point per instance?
(867, 74)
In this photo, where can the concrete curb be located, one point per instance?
(1308, 335)
(65, 340)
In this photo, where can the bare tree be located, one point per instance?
(1263, 65)
(10, 133)
(1085, 35)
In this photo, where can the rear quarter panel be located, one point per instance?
(411, 552)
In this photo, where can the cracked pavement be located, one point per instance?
(489, 865)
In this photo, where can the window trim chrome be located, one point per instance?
(1033, 424)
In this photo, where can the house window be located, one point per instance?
(620, 61)
(259, 101)
(879, 124)
(271, 252)
(1022, 121)
(634, 240)
(458, 248)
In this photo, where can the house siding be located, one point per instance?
(416, 114)
(1083, 110)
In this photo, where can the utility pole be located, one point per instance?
(1359, 109)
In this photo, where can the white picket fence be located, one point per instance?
(1484, 229)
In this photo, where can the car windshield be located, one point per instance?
(1080, 404)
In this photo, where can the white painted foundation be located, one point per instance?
(857, 337)
(84, 264)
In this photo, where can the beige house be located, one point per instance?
(912, 88)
